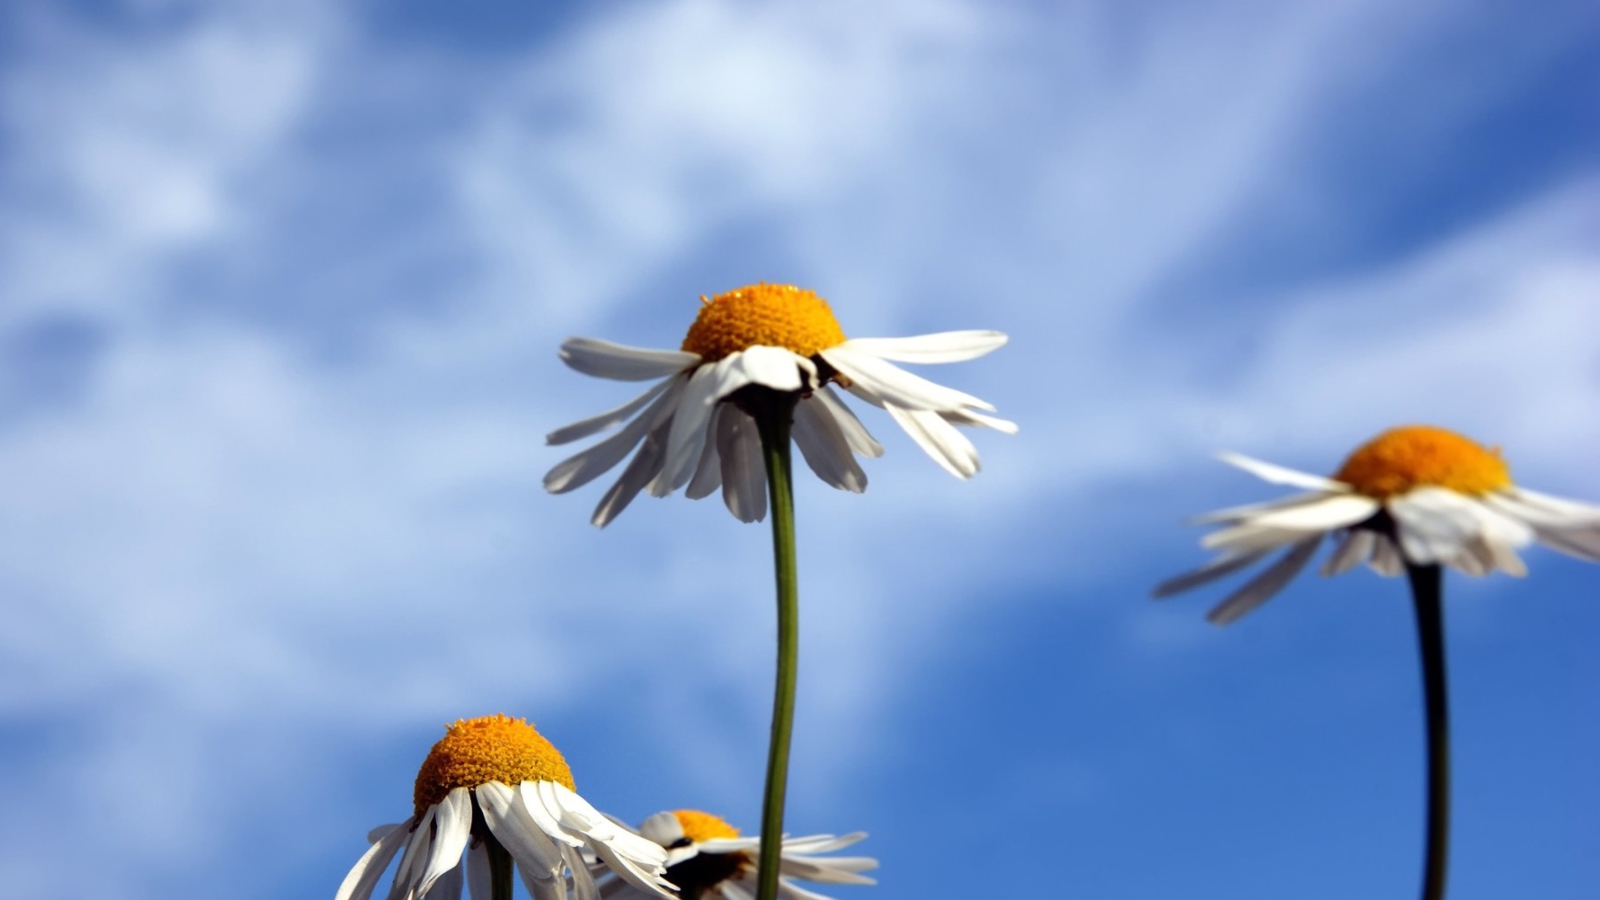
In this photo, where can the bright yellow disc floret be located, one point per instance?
(490, 748)
(703, 826)
(769, 315)
(1423, 456)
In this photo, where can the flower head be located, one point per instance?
(708, 858)
(1415, 495)
(497, 777)
(693, 428)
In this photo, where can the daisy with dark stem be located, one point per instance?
(755, 371)
(1411, 500)
(707, 859)
(495, 789)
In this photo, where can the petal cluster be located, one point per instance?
(1426, 524)
(684, 434)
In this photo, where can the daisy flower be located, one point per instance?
(764, 336)
(493, 786)
(1417, 495)
(707, 858)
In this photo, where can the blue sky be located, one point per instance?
(281, 286)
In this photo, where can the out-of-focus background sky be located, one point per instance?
(281, 286)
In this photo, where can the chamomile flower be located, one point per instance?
(1417, 494)
(693, 429)
(707, 858)
(497, 779)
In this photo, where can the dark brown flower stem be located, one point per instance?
(1426, 593)
(499, 867)
(774, 419)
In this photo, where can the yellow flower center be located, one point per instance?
(703, 826)
(1423, 456)
(491, 748)
(768, 315)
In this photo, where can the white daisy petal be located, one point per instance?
(545, 816)
(369, 868)
(583, 887)
(687, 434)
(1279, 475)
(603, 359)
(896, 386)
(478, 881)
(643, 469)
(663, 828)
(828, 870)
(1386, 559)
(584, 467)
(1263, 586)
(822, 443)
(1562, 510)
(824, 843)
(739, 890)
(978, 420)
(788, 890)
(744, 471)
(943, 347)
(446, 887)
(1222, 566)
(1250, 536)
(774, 367)
(1583, 543)
(415, 859)
(855, 434)
(1354, 548)
(708, 474)
(1333, 511)
(608, 419)
(454, 827)
(378, 834)
(939, 439)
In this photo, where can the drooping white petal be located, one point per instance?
(828, 869)
(545, 816)
(744, 472)
(1280, 475)
(1562, 510)
(454, 827)
(511, 823)
(895, 386)
(584, 467)
(608, 419)
(1222, 566)
(855, 433)
(687, 437)
(644, 467)
(822, 443)
(1261, 588)
(939, 439)
(1250, 536)
(364, 875)
(708, 474)
(447, 886)
(1584, 543)
(788, 890)
(583, 886)
(603, 359)
(631, 857)
(1386, 559)
(419, 850)
(1562, 525)
(943, 347)
(823, 843)
(1353, 549)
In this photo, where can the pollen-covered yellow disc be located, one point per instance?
(768, 315)
(703, 826)
(490, 748)
(1423, 456)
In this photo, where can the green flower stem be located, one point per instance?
(499, 868)
(1426, 591)
(774, 420)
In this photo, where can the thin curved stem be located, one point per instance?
(774, 421)
(1426, 594)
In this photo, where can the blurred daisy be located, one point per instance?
(1417, 494)
(764, 336)
(495, 780)
(707, 858)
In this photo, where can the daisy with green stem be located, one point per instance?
(1411, 500)
(755, 372)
